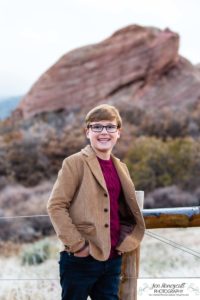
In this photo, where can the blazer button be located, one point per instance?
(105, 209)
(105, 195)
(106, 225)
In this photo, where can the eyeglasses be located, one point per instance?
(100, 127)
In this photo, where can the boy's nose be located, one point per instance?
(104, 130)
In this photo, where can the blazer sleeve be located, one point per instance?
(58, 205)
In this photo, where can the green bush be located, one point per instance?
(155, 163)
(36, 253)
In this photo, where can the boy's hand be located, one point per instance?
(84, 253)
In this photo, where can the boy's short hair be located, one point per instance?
(103, 112)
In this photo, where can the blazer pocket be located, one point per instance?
(86, 228)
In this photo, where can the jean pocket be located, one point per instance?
(64, 256)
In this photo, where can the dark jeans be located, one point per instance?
(83, 277)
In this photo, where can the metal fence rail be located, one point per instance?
(172, 217)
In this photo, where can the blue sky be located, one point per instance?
(36, 33)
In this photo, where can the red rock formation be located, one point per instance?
(129, 66)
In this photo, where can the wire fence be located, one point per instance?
(21, 217)
(149, 233)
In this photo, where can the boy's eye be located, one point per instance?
(97, 126)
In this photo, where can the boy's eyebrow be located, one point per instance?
(99, 124)
(102, 124)
(95, 123)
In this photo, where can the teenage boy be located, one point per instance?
(94, 212)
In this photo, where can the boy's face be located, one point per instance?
(103, 140)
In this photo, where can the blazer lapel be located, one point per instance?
(94, 166)
(96, 171)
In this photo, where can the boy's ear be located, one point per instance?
(87, 132)
(119, 133)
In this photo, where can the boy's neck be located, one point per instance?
(103, 155)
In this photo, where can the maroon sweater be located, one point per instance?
(114, 188)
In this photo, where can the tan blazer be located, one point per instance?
(77, 207)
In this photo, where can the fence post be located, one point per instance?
(128, 285)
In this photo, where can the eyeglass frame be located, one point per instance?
(103, 126)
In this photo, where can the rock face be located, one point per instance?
(130, 66)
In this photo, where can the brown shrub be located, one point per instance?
(18, 200)
(170, 196)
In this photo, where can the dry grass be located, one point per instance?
(42, 281)
(9, 248)
(157, 260)
(162, 260)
